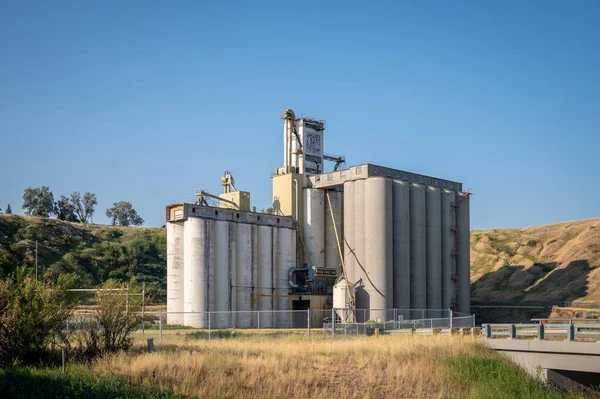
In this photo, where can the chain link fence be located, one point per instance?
(229, 324)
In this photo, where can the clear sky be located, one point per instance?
(148, 101)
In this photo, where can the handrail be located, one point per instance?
(570, 331)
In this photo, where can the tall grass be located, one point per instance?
(290, 367)
(78, 382)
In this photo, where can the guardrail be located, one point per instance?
(570, 332)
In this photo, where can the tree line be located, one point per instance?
(75, 208)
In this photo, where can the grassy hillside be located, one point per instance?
(94, 253)
(556, 262)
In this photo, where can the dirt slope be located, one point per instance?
(550, 263)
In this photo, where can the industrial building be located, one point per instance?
(366, 238)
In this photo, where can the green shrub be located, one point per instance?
(31, 315)
(532, 243)
(115, 318)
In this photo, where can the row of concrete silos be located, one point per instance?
(408, 245)
(221, 266)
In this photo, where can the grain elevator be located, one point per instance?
(366, 238)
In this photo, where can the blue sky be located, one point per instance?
(148, 101)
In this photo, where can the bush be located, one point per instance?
(116, 317)
(532, 243)
(31, 316)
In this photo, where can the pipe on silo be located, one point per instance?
(314, 226)
(175, 277)
(349, 241)
(221, 285)
(401, 212)
(265, 275)
(448, 249)
(243, 280)
(332, 248)
(418, 250)
(360, 272)
(195, 269)
(379, 252)
(463, 254)
(286, 259)
(434, 251)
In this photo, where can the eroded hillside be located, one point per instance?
(550, 263)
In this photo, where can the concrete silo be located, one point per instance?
(463, 253)
(448, 249)
(418, 249)
(175, 291)
(401, 232)
(379, 253)
(434, 251)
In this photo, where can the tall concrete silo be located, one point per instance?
(285, 259)
(379, 254)
(222, 284)
(434, 251)
(314, 226)
(463, 254)
(195, 263)
(448, 249)
(175, 290)
(243, 280)
(401, 211)
(360, 272)
(348, 233)
(418, 249)
(265, 275)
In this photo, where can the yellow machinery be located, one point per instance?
(231, 197)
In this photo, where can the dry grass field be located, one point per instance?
(293, 367)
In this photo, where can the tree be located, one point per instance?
(65, 210)
(38, 201)
(8, 210)
(84, 207)
(89, 206)
(123, 214)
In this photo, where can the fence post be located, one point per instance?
(423, 312)
(540, 331)
(571, 332)
(64, 360)
(395, 318)
(258, 322)
(513, 331)
(308, 322)
(450, 314)
(160, 325)
(488, 330)
(208, 326)
(473, 320)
